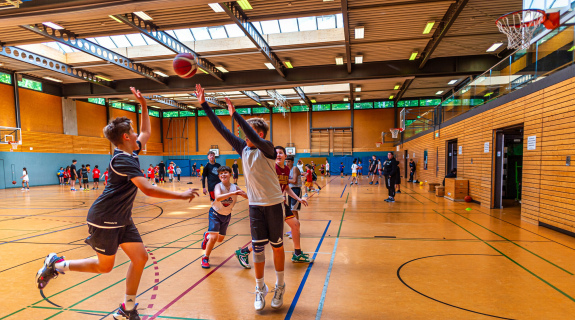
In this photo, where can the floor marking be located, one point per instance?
(304, 279)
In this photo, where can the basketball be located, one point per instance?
(467, 199)
(185, 65)
(421, 183)
(13, 182)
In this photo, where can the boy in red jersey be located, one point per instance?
(151, 175)
(106, 177)
(96, 177)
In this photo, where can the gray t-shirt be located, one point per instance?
(294, 172)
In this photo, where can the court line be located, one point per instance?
(43, 234)
(304, 279)
(533, 253)
(328, 275)
(343, 190)
(515, 262)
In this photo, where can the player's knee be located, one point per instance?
(212, 236)
(221, 238)
(259, 253)
(105, 268)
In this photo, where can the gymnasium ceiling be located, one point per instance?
(310, 34)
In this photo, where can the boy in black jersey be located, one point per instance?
(236, 172)
(110, 217)
(211, 174)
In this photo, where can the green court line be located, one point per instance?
(342, 215)
(419, 194)
(533, 253)
(414, 198)
(510, 259)
(52, 316)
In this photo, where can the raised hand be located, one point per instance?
(231, 107)
(138, 95)
(200, 93)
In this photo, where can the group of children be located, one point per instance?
(157, 174)
(70, 175)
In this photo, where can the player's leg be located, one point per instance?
(260, 237)
(298, 255)
(275, 223)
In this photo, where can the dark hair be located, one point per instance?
(281, 148)
(74, 161)
(25, 169)
(87, 165)
(116, 129)
(83, 166)
(235, 160)
(211, 152)
(354, 160)
(224, 168)
(259, 124)
(290, 158)
(96, 166)
(390, 152)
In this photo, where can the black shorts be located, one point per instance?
(96, 179)
(398, 179)
(236, 175)
(106, 241)
(85, 180)
(267, 225)
(294, 204)
(218, 223)
(288, 213)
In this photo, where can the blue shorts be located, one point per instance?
(218, 223)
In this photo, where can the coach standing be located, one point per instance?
(390, 172)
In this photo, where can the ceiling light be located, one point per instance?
(413, 55)
(358, 59)
(52, 25)
(358, 99)
(202, 70)
(118, 20)
(313, 101)
(452, 82)
(439, 92)
(160, 73)
(222, 69)
(270, 103)
(245, 4)
(301, 101)
(216, 7)
(288, 64)
(345, 99)
(143, 15)
(396, 87)
(269, 65)
(494, 47)
(53, 79)
(103, 78)
(339, 61)
(1, 64)
(390, 97)
(358, 89)
(359, 32)
(428, 27)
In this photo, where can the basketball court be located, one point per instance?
(478, 93)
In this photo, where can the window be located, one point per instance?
(260, 110)
(321, 107)
(221, 112)
(201, 113)
(234, 31)
(218, 32)
(289, 25)
(201, 33)
(307, 23)
(476, 102)
(244, 111)
(363, 105)
(408, 103)
(326, 22)
(184, 35)
(170, 114)
(100, 101)
(429, 102)
(117, 105)
(409, 122)
(279, 110)
(340, 106)
(187, 113)
(30, 84)
(270, 27)
(383, 104)
(451, 102)
(5, 78)
(154, 113)
(301, 108)
(128, 107)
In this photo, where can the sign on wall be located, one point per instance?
(486, 147)
(460, 150)
(531, 143)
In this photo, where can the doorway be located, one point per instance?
(508, 163)
(451, 156)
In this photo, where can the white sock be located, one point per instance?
(280, 278)
(260, 283)
(62, 266)
(130, 302)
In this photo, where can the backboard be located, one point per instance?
(8, 134)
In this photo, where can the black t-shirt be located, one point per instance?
(390, 167)
(211, 173)
(235, 168)
(412, 166)
(84, 173)
(113, 208)
(73, 171)
(162, 167)
(373, 166)
(194, 167)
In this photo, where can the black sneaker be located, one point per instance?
(122, 314)
(48, 271)
(398, 191)
(371, 182)
(391, 200)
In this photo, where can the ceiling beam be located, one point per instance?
(347, 34)
(153, 31)
(51, 65)
(403, 89)
(238, 15)
(252, 95)
(168, 102)
(303, 96)
(72, 40)
(441, 30)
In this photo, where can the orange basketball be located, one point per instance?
(185, 65)
(467, 199)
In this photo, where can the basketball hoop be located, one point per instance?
(378, 144)
(519, 26)
(395, 132)
(13, 144)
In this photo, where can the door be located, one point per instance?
(498, 164)
(451, 156)
(2, 177)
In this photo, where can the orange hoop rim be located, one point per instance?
(532, 23)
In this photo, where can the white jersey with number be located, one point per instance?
(225, 206)
(354, 168)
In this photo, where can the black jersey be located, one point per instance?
(412, 166)
(235, 168)
(390, 167)
(73, 172)
(211, 173)
(162, 167)
(113, 208)
(84, 173)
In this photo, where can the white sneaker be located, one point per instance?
(305, 195)
(260, 302)
(278, 299)
(23, 189)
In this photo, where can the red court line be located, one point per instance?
(192, 287)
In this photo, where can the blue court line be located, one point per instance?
(343, 190)
(324, 291)
(302, 283)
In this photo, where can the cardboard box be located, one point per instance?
(439, 191)
(431, 186)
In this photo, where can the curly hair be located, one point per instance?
(115, 130)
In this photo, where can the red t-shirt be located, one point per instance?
(106, 175)
(309, 177)
(283, 176)
(96, 173)
(150, 172)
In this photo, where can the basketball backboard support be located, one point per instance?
(402, 119)
(10, 134)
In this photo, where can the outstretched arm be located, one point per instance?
(145, 127)
(237, 143)
(265, 146)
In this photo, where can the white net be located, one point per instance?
(394, 133)
(13, 144)
(520, 26)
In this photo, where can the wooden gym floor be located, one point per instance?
(422, 257)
